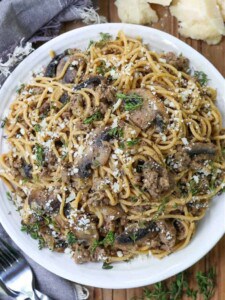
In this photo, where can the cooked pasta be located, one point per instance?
(115, 151)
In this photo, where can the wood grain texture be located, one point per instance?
(215, 54)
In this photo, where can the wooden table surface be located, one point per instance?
(215, 54)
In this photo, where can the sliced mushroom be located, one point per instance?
(64, 98)
(89, 83)
(208, 149)
(135, 235)
(157, 179)
(70, 73)
(167, 234)
(96, 153)
(52, 66)
(57, 64)
(43, 200)
(181, 229)
(150, 113)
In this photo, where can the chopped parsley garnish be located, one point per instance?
(71, 239)
(105, 36)
(20, 88)
(116, 132)
(9, 196)
(101, 69)
(37, 127)
(39, 152)
(133, 142)
(95, 117)
(94, 245)
(131, 102)
(133, 236)
(194, 187)
(161, 208)
(201, 77)
(206, 283)
(90, 43)
(107, 266)
(109, 239)
(179, 288)
(133, 198)
(3, 122)
(33, 231)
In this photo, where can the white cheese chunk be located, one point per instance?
(221, 4)
(136, 11)
(201, 20)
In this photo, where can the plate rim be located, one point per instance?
(9, 227)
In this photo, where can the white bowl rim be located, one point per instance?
(108, 279)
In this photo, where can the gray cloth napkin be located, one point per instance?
(37, 20)
(53, 286)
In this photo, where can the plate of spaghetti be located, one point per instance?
(113, 154)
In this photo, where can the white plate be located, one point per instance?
(140, 271)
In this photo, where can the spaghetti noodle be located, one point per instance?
(115, 151)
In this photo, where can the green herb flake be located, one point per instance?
(206, 283)
(9, 196)
(194, 187)
(37, 127)
(101, 69)
(107, 266)
(116, 132)
(161, 208)
(201, 77)
(109, 239)
(33, 230)
(94, 245)
(71, 238)
(20, 88)
(3, 122)
(91, 43)
(133, 142)
(41, 243)
(133, 236)
(105, 36)
(131, 102)
(39, 152)
(160, 292)
(95, 117)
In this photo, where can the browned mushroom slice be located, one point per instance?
(134, 235)
(71, 71)
(208, 149)
(167, 234)
(52, 66)
(152, 111)
(96, 153)
(157, 179)
(200, 153)
(43, 200)
(181, 230)
(91, 82)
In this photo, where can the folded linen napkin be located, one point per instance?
(48, 283)
(23, 22)
(36, 20)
